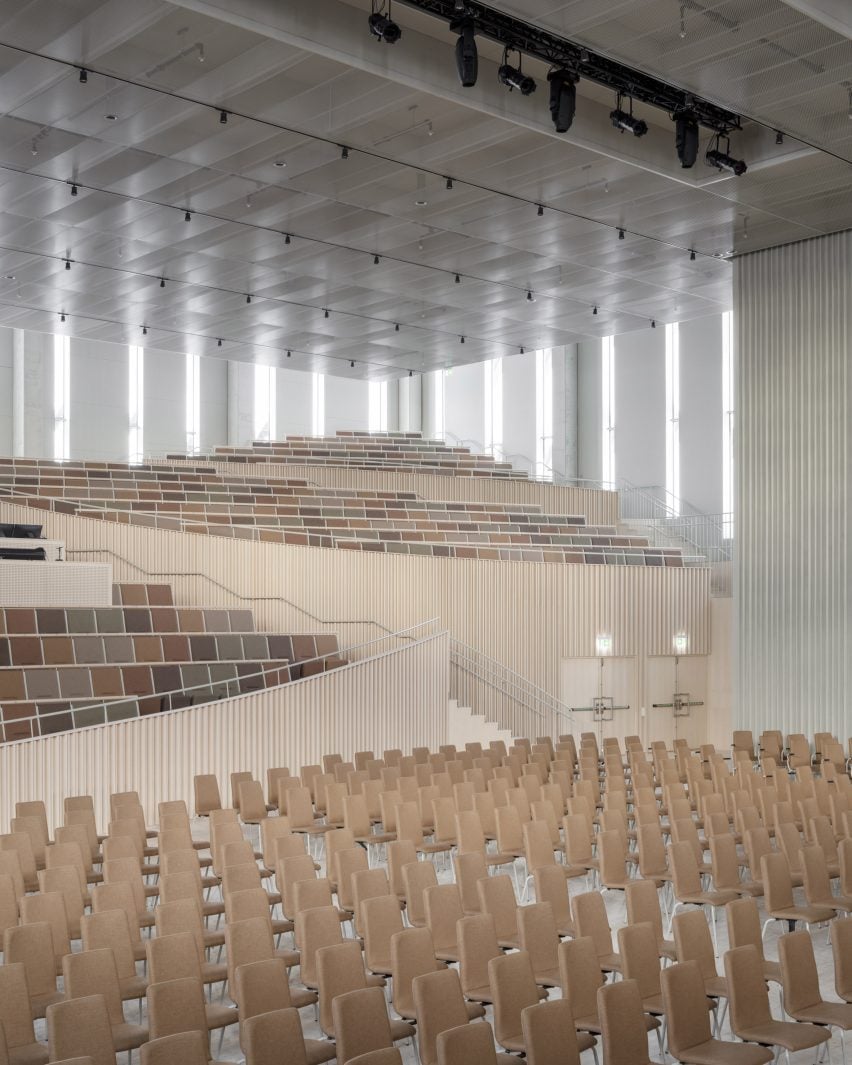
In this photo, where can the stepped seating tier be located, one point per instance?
(68, 668)
(200, 500)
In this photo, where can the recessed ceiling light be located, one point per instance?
(421, 203)
(111, 118)
(279, 163)
(9, 277)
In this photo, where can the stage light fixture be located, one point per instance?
(219, 343)
(625, 121)
(449, 183)
(521, 352)
(621, 234)
(411, 373)
(396, 328)
(467, 54)
(325, 315)
(67, 264)
(514, 77)
(779, 137)
(223, 117)
(84, 75)
(563, 98)
(595, 309)
(530, 296)
(540, 211)
(286, 238)
(352, 364)
(289, 354)
(144, 330)
(382, 26)
(375, 260)
(248, 299)
(461, 340)
(162, 282)
(686, 138)
(653, 324)
(73, 188)
(458, 279)
(692, 255)
(344, 152)
(187, 217)
(715, 157)
(62, 317)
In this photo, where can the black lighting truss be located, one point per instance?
(560, 52)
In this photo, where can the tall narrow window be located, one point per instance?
(135, 402)
(265, 405)
(608, 411)
(493, 392)
(544, 413)
(673, 417)
(61, 397)
(193, 404)
(728, 414)
(438, 381)
(378, 407)
(318, 405)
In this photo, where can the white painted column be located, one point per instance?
(410, 404)
(18, 372)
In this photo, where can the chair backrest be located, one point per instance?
(468, 869)
(93, 972)
(367, 884)
(361, 1022)
(816, 879)
(348, 863)
(538, 936)
(439, 1005)
(747, 994)
(80, 1027)
(417, 877)
(290, 870)
(247, 941)
(49, 908)
(15, 1016)
(31, 945)
(580, 974)
(723, 856)
(497, 897)
(262, 986)
(643, 906)
(477, 943)
(381, 919)
(777, 882)
(176, 1006)
(686, 879)
(625, 1037)
(264, 1036)
(590, 919)
(550, 1037)
(684, 1004)
(173, 957)
(637, 945)
(188, 1048)
(693, 941)
(340, 969)
(118, 897)
(412, 954)
(469, 1044)
(513, 988)
(798, 972)
(841, 949)
(442, 910)
(551, 887)
(743, 921)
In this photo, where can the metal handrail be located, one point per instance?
(233, 682)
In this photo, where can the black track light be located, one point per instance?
(461, 340)
(286, 238)
(382, 26)
(521, 352)
(223, 117)
(344, 152)
(162, 282)
(326, 313)
(467, 54)
(396, 328)
(187, 217)
(289, 353)
(352, 364)
(375, 260)
(458, 279)
(621, 234)
(449, 183)
(653, 323)
(540, 211)
(84, 75)
(515, 78)
(692, 255)
(219, 343)
(144, 330)
(779, 137)
(411, 373)
(248, 298)
(595, 309)
(73, 188)
(625, 121)
(715, 157)
(62, 317)
(530, 296)
(67, 264)
(686, 138)
(563, 98)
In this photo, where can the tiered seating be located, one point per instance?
(68, 668)
(372, 450)
(201, 500)
(545, 818)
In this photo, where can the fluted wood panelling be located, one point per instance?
(600, 507)
(527, 615)
(793, 312)
(399, 699)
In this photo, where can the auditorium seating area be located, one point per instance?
(69, 668)
(549, 899)
(201, 500)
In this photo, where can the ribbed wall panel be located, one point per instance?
(396, 700)
(600, 507)
(527, 615)
(793, 310)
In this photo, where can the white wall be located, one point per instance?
(99, 419)
(214, 403)
(165, 402)
(701, 414)
(589, 460)
(6, 433)
(295, 403)
(347, 404)
(640, 408)
(519, 395)
(464, 409)
(565, 410)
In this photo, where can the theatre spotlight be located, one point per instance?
(514, 77)
(686, 138)
(724, 160)
(467, 54)
(563, 98)
(382, 26)
(625, 121)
